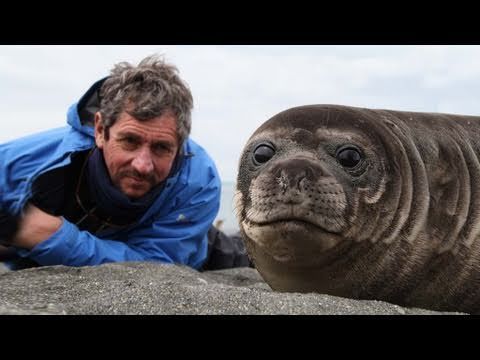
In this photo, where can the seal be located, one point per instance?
(365, 204)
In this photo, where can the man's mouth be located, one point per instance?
(138, 181)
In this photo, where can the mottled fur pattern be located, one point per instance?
(402, 226)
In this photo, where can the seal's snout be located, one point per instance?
(298, 189)
(294, 173)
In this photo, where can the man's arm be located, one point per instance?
(179, 237)
(34, 227)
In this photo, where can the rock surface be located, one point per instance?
(149, 288)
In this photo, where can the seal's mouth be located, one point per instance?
(294, 223)
(290, 240)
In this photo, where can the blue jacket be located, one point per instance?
(173, 230)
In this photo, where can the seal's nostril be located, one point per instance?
(282, 180)
(299, 179)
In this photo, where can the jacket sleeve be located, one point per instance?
(179, 237)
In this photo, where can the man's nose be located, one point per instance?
(143, 161)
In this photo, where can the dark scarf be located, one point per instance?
(110, 201)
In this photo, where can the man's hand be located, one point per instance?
(35, 226)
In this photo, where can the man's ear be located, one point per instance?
(99, 130)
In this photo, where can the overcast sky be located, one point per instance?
(237, 88)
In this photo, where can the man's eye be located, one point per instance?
(160, 148)
(129, 141)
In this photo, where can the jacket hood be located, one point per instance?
(81, 114)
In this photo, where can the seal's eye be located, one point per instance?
(263, 153)
(348, 156)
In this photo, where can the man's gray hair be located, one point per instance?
(146, 91)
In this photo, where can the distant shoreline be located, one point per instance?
(226, 216)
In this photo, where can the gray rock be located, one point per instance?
(150, 288)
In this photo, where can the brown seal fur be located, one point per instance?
(402, 225)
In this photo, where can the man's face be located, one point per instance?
(138, 154)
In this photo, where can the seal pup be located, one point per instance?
(365, 204)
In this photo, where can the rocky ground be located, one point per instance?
(149, 288)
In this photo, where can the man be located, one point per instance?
(122, 182)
